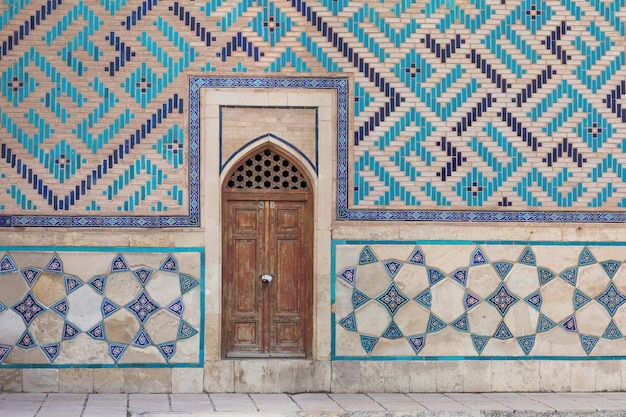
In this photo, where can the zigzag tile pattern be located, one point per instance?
(505, 110)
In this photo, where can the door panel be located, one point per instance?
(243, 247)
(267, 236)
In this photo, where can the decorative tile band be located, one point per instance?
(509, 111)
(493, 300)
(75, 307)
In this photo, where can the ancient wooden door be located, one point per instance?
(267, 260)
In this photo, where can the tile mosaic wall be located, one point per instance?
(61, 306)
(487, 300)
(505, 110)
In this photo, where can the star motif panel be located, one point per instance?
(508, 110)
(106, 308)
(543, 300)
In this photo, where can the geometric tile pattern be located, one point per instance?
(482, 111)
(123, 316)
(404, 313)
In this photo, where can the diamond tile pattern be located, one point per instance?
(55, 326)
(501, 307)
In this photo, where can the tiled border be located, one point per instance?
(333, 323)
(200, 251)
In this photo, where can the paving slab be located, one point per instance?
(269, 403)
(396, 402)
(233, 402)
(316, 402)
(356, 402)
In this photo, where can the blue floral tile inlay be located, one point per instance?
(349, 322)
(54, 265)
(478, 258)
(392, 331)
(544, 323)
(545, 275)
(611, 299)
(569, 324)
(460, 276)
(4, 351)
(167, 350)
(461, 323)
(187, 283)
(392, 267)
(588, 342)
(368, 343)
(502, 268)
(71, 284)
(61, 307)
(612, 332)
(417, 257)
(108, 307)
(424, 299)
(611, 267)
(470, 300)
(26, 341)
(535, 300)
(435, 276)
(119, 264)
(97, 332)
(143, 274)
(30, 275)
(70, 331)
(28, 308)
(2, 307)
(142, 307)
(392, 299)
(359, 298)
(580, 299)
(526, 343)
(98, 283)
(586, 258)
(527, 258)
(170, 264)
(479, 342)
(141, 340)
(417, 342)
(7, 264)
(117, 350)
(570, 275)
(435, 324)
(186, 330)
(502, 299)
(348, 275)
(176, 307)
(51, 350)
(367, 256)
(502, 332)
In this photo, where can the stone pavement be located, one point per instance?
(317, 404)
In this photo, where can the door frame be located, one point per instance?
(306, 196)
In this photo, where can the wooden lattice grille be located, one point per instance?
(267, 170)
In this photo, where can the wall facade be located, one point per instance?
(466, 161)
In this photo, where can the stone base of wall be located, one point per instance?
(293, 376)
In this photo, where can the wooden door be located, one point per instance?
(267, 232)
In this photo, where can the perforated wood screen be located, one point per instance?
(267, 170)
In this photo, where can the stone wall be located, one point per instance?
(468, 165)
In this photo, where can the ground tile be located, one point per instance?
(316, 402)
(274, 402)
(232, 402)
(396, 402)
(356, 402)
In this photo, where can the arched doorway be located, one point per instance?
(267, 257)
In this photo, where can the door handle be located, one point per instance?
(267, 279)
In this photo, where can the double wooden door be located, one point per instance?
(267, 274)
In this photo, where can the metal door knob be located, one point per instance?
(267, 279)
